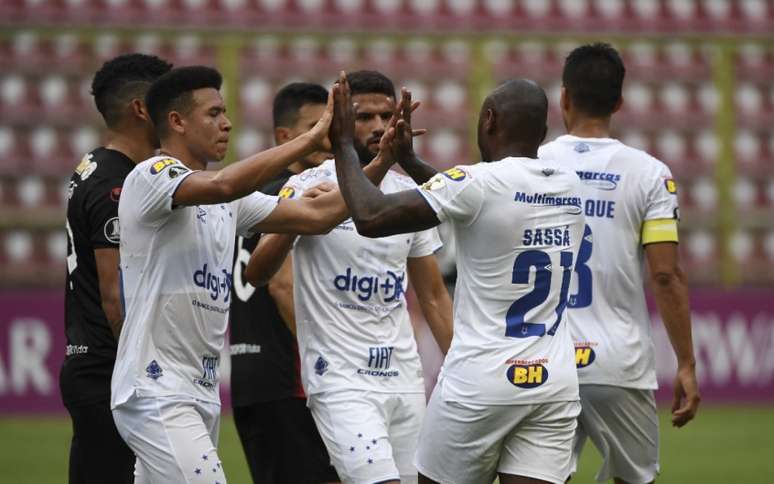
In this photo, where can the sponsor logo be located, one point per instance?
(391, 285)
(209, 376)
(584, 354)
(112, 230)
(71, 350)
(527, 376)
(86, 167)
(115, 194)
(572, 204)
(244, 349)
(600, 180)
(581, 147)
(671, 186)
(455, 174)
(216, 284)
(160, 165)
(435, 183)
(320, 366)
(174, 171)
(208, 307)
(287, 192)
(379, 359)
(153, 370)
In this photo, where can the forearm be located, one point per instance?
(112, 308)
(438, 314)
(268, 257)
(417, 169)
(671, 295)
(283, 299)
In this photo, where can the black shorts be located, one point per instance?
(98, 454)
(282, 444)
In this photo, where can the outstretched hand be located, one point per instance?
(319, 131)
(397, 142)
(342, 129)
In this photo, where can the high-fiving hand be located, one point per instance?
(397, 142)
(342, 130)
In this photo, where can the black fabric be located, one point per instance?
(264, 353)
(98, 455)
(282, 444)
(92, 223)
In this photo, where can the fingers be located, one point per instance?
(418, 132)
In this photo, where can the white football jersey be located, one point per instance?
(518, 226)
(622, 188)
(354, 330)
(176, 265)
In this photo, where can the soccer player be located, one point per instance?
(359, 361)
(276, 429)
(179, 223)
(507, 398)
(630, 202)
(92, 303)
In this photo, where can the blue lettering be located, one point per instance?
(600, 208)
(213, 283)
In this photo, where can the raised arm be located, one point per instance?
(401, 146)
(671, 294)
(433, 297)
(374, 214)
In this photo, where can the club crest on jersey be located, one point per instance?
(671, 186)
(287, 192)
(581, 147)
(584, 354)
(153, 370)
(455, 174)
(320, 366)
(160, 165)
(526, 374)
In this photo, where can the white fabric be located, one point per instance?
(468, 443)
(622, 187)
(174, 439)
(176, 279)
(353, 327)
(518, 227)
(370, 436)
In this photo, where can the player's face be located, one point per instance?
(373, 113)
(308, 116)
(207, 127)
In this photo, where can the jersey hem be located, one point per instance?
(621, 385)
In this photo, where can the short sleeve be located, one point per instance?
(454, 194)
(102, 212)
(425, 243)
(154, 184)
(661, 202)
(251, 210)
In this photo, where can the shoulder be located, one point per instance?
(399, 181)
(641, 162)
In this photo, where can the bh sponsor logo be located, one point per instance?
(379, 360)
(527, 374)
(390, 285)
(599, 179)
(160, 165)
(584, 354)
(216, 284)
(455, 174)
(572, 204)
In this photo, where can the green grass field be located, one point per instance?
(726, 445)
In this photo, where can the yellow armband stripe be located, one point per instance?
(659, 230)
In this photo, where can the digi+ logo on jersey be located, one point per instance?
(364, 287)
(379, 360)
(600, 180)
(584, 355)
(209, 372)
(527, 376)
(455, 174)
(214, 283)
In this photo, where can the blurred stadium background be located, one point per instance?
(699, 95)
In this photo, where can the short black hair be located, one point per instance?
(291, 98)
(522, 111)
(122, 79)
(370, 82)
(174, 92)
(593, 78)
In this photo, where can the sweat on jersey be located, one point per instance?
(518, 226)
(354, 330)
(176, 277)
(622, 188)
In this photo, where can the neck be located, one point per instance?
(177, 149)
(590, 127)
(299, 166)
(133, 146)
(519, 150)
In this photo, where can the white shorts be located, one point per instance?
(622, 423)
(463, 443)
(174, 439)
(371, 436)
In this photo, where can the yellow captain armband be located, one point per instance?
(659, 230)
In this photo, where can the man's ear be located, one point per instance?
(139, 110)
(618, 104)
(176, 122)
(490, 121)
(281, 135)
(564, 99)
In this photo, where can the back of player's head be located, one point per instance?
(370, 82)
(174, 92)
(521, 109)
(593, 79)
(291, 98)
(122, 79)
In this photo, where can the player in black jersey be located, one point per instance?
(277, 431)
(93, 313)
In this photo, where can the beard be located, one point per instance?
(365, 155)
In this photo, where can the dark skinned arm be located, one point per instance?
(401, 146)
(109, 287)
(374, 213)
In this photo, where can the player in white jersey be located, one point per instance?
(630, 203)
(359, 361)
(507, 399)
(179, 226)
